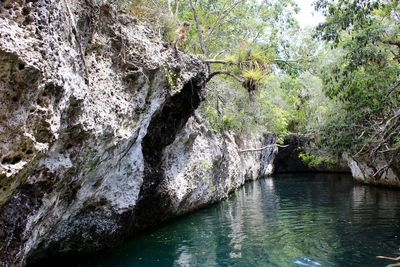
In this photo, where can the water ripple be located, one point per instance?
(292, 220)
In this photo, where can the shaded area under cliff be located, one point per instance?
(288, 158)
(153, 203)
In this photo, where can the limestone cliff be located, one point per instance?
(378, 171)
(96, 135)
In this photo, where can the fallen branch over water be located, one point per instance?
(388, 258)
(262, 148)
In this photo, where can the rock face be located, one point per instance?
(202, 167)
(376, 171)
(96, 135)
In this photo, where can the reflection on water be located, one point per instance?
(291, 220)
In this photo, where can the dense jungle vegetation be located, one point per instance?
(337, 83)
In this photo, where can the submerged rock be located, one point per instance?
(96, 135)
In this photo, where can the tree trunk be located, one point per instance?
(199, 29)
(169, 2)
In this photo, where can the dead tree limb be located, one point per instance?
(396, 43)
(388, 258)
(220, 61)
(262, 148)
(215, 61)
(221, 16)
(228, 73)
(383, 169)
(391, 89)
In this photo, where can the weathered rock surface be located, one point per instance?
(377, 171)
(96, 135)
(202, 166)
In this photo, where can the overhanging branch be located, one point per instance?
(396, 43)
(215, 73)
(262, 148)
(220, 61)
(391, 89)
(215, 61)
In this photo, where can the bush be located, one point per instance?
(316, 160)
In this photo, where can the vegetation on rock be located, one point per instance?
(337, 83)
(363, 78)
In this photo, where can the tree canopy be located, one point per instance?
(338, 83)
(364, 76)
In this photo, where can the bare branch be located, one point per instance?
(215, 73)
(262, 148)
(221, 16)
(391, 89)
(388, 258)
(219, 61)
(390, 150)
(396, 43)
(215, 61)
(293, 60)
(383, 169)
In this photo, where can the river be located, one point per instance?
(288, 220)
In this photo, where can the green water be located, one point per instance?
(291, 220)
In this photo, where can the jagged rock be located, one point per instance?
(376, 171)
(96, 135)
(202, 166)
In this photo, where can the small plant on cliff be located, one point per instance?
(153, 12)
(172, 78)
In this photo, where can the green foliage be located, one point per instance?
(285, 104)
(227, 24)
(172, 78)
(228, 107)
(347, 15)
(256, 75)
(252, 63)
(362, 34)
(231, 59)
(276, 119)
(341, 88)
(313, 160)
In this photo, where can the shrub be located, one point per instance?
(313, 160)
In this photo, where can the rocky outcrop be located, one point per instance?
(375, 171)
(378, 171)
(97, 139)
(288, 159)
(202, 166)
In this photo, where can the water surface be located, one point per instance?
(289, 220)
